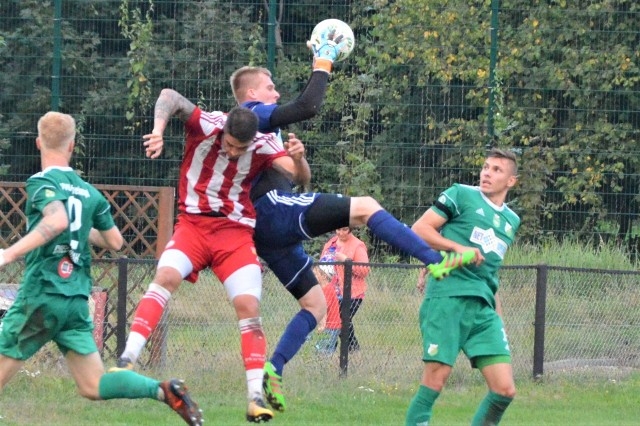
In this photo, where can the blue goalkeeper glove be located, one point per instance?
(326, 50)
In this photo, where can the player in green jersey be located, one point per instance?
(462, 311)
(65, 214)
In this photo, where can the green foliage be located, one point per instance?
(426, 59)
(404, 117)
(356, 170)
(4, 143)
(139, 31)
(575, 105)
(26, 68)
(572, 122)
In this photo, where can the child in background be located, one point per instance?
(329, 327)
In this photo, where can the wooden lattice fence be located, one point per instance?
(145, 217)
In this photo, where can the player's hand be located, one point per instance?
(5, 258)
(328, 47)
(153, 143)
(326, 50)
(294, 147)
(476, 260)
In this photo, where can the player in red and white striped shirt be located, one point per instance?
(212, 182)
(223, 154)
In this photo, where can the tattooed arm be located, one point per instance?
(169, 103)
(54, 221)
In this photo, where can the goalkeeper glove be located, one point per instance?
(326, 50)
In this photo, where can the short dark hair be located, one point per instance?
(502, 153)
(242, 124)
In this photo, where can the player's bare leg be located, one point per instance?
(502, 390)
(9, 367)
(434, 377)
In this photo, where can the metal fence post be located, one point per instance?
(57, 56)
(345, 317)
(272, 27)
(493, 60)
(121, 307)
(539, 324)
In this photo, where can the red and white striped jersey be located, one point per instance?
(212, 183)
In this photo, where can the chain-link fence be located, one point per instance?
(559, 320)
(585, 319)
(592, 319)
(428, 87)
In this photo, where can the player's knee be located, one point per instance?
(314, 302)
(246, 306)
(362, 208)
(435, 383)
(168, 278)
(508, 391)
(318, 309)
(367, 204)
(435, 375)
(172, 267)
(244, 288)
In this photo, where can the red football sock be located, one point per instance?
(149, 311)
(253, 343)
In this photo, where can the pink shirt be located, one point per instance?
(333, 320)
(356, 250)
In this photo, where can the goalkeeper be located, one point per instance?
(285, 219)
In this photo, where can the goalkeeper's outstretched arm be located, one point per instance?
(305, 106)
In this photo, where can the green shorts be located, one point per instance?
(33, 321)
(449, 324)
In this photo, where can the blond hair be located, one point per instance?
(56, 130)
(242, 79)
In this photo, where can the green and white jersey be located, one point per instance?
(62, 266)
(474, 221)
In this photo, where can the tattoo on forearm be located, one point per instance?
(47, 232)
(163, 109)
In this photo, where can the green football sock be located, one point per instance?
(491, 410)
(127, 384)
(421, 406)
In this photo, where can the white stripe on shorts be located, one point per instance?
(299, 199)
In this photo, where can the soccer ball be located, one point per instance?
(341, 34)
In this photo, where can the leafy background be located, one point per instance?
(412, 110)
